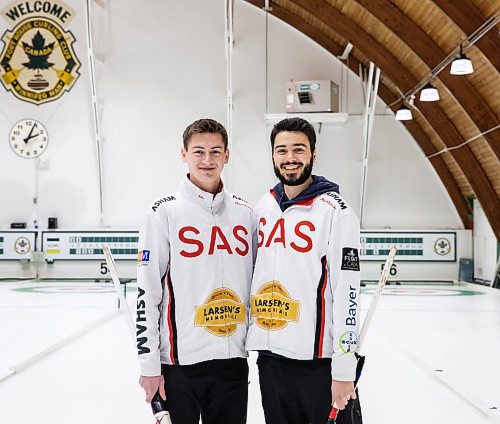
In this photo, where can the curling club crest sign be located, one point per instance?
(37, 62)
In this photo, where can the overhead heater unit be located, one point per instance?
(312, 96)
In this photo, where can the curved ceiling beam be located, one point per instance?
(403, 78)
(424, 46)
(467, 17)
(385, 93)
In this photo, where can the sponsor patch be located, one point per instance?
(348, 342)
(221, 312)
(350, 259)
(143, 257)
(273, 306)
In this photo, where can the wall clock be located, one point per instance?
(28, 138)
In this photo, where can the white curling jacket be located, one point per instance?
(305, 287)
(194, 273)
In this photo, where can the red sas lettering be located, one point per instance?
(244, 251)
(280, 225)
(300, 234)
(261, 233)
(186, 240)
(223, 246)
(302, 231)
(218, 241)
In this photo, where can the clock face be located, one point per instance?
(28, 138)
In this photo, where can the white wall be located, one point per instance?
(64, 181)
(485, 246)
(163, 65)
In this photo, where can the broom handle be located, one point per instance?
(332, 417)
(376, 296)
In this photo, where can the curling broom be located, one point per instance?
(157, 403)
(332, 418)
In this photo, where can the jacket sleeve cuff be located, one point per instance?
(150, 367)
(344, 367)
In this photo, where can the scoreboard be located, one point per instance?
(412, 246)
(17, 244)
(78, 245)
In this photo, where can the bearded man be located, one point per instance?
(305, 288)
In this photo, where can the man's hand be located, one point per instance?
(151, 385)
(342, 391)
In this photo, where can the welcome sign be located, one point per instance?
(38, 63)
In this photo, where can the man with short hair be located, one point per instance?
(194, 273)
(305, 288)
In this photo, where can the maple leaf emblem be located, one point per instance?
(442, 244)
(38, 53)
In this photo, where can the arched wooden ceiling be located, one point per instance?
(407, 40)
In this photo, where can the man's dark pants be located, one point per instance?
(217, 390)
(299, 392)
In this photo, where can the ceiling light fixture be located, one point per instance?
(403, 114)
(461, 65)
(429, 93)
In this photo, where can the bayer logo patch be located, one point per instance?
(349, 342)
